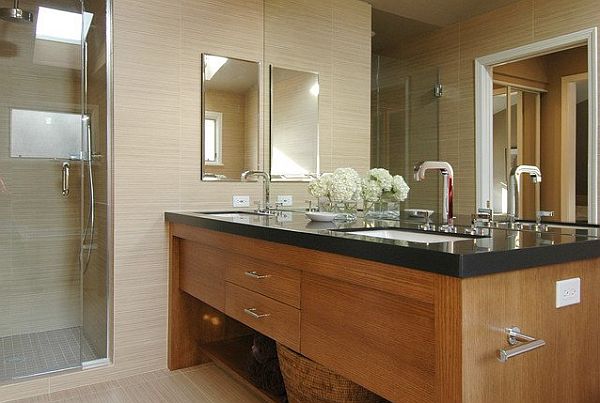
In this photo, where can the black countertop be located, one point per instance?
(499, 250)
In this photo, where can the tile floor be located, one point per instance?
(202, 384)
(39, 353)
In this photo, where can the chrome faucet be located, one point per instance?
(448, 174)
(266, 203)
(514, 187)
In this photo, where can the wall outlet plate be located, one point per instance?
(285, 201)
(568, 292)
(241, 201)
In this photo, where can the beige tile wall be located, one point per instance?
(157, 142)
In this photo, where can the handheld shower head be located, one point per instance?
(15, 14)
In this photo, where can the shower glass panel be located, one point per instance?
(404, 124)
(50, 312)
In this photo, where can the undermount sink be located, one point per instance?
(410, 235)
(233, 214)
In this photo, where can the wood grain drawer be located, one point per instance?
(280, 321)
(201, 273)
(267, 278)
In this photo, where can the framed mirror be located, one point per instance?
(537, 107)
(294, 117)
(230, 117)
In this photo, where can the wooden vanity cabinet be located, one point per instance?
(407, 335)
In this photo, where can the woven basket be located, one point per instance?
(309, 382)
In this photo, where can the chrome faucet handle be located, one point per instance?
(310, 207)
(539, 216)
(483, 216)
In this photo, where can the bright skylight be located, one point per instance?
(61, 26)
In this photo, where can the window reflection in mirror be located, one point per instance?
(230, 117)
(294, 124)
(541, 118)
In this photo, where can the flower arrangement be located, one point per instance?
(380, 185)
(343, 185)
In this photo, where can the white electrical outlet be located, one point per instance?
(568, 292)
(285, 201)
(241, 201)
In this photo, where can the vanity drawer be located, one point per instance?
(267, 278)
(200, 273)
(265, 315)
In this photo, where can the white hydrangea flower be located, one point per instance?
(321, 187)
(383, 177)
(371, 190)
(379, 185)
(400, 188)
(345, 185)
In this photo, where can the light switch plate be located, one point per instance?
(568, 292)
(286, 201)
(241, 201)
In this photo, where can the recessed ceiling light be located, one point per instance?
(62, 26)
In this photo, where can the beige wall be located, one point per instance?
(454, 49)
(157, 146)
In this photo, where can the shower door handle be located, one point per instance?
(66, 170)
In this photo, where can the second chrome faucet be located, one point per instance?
(448, 174)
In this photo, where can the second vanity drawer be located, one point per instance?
(265, 315)
(267, 278)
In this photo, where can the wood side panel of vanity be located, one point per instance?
(566, 369)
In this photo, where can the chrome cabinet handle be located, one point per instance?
(522, 342)
(66, 170)
(255, 275)
(255, 314)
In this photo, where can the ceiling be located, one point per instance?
(438, 12)
(397, 20)
(236, 76)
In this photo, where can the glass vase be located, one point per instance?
(382, 210)
(345, 210)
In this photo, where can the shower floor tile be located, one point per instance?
(37, 353)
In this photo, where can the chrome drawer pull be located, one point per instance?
(525, 344)
(257, 276)
(252, 312)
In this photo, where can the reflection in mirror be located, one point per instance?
(404, 124)
(294, 124)
(540, 118)
(230, 113)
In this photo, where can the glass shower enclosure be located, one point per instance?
(54, 176)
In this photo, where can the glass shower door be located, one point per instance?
(42, 143)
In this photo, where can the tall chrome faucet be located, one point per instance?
(514, 187)
(448, 174)
(266, 203)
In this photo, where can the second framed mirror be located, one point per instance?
(294, 118)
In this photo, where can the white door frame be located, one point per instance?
(484, 107)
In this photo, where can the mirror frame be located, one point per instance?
(292, 179)
(484, 106)
(259, 114)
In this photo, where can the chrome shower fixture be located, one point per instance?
(15, 14)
